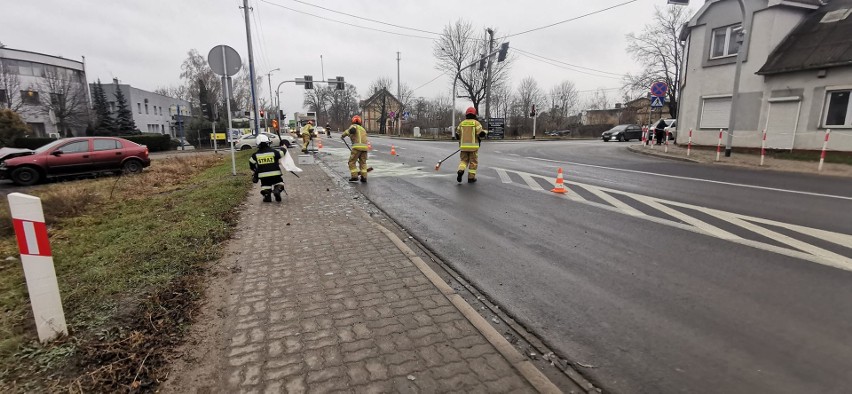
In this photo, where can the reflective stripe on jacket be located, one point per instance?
(358, 137)
(265, 162)
(468, 129)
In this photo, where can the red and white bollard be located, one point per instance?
(719, 146)
(31, 231)
(824, 146)
(653, 133)
(689, 144)
(644, 134)
(666, 150)
(763, 148)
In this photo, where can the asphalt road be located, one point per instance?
(661, 276)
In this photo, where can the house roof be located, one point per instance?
(820, 41)
(377, 96)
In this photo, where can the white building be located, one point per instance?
(152, 112)
(49, 92)
(796, 78)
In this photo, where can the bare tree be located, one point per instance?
(529, 94)
(11, 85)
(342, 105)
(379, 84)
(564, 101)
(599, 100)
(501, 100)
(458, 47)
(659, 50)
(64, 96)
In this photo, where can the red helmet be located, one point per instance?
(310, 122)
(470, 111)
(356, 119)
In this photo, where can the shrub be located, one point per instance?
(11, 127)
(31, 142)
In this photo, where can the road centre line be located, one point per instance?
(696, 179)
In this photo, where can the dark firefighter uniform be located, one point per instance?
(470, 133)
(264, 163)
(358, 135)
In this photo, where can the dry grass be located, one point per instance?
(129, 252)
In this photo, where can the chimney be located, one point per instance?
(115, 81)
(617, 105)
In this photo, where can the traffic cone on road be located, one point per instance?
(393, 151)
(560, 183)
(319, 144)
(369, 145)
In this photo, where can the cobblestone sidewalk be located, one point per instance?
(324, 301)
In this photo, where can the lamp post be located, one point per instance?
(742, 40)
(269, 79)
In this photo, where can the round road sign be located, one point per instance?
(659, 89)
(222, 55)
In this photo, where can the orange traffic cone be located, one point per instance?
(369, 145)
(560, 183)
(319, 144)
(393, 151)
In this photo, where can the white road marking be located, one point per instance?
(695, 179)
(796, 248)
(504, 176)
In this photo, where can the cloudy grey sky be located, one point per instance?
(144, 42)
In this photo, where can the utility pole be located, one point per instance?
(488, 77)
(398, 97)
(269, 79)
(251, 69)
(743, 41)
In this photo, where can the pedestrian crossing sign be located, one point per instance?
(657, 102)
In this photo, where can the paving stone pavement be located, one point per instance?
(325, 302)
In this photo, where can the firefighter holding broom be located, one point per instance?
(470, 134)
(358, 135)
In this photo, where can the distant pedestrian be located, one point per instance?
(265, 165)
(358, 135)
(660, 131)
(470, 135)
(328, 130)
(308, 134)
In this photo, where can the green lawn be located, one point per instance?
(128, 252)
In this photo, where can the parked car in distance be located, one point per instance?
(182, 144)
(558, 133)
(74, 156)
(248, 141)
(622, 132)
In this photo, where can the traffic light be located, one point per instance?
(309, 82)
(532, 113)
(482, 63)
(504, 47)
(341, 85)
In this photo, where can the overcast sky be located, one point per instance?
(144, 42)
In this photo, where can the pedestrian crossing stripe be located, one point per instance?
(793, 247)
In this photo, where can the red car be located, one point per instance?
(72, 156)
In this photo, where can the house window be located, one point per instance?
(146, 108)
(838, 109)
(29, 97)
(3, 98)
(715, 113)
(139, 107)
(37, 129)
(724, 42)
(25, 68)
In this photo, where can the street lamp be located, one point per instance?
(741, 51)
(269, 79)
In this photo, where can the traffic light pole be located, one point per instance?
(456, 80)
(251, 69)
(488, 77)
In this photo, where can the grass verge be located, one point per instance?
(130, 254)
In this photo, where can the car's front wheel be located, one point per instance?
(25, 176)
(245, 147)
(132, 167)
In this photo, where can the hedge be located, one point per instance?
(154, 142)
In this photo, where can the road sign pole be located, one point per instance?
(37, 260)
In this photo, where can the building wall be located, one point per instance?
(35, 115)
(708, 78)
(151, 111)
